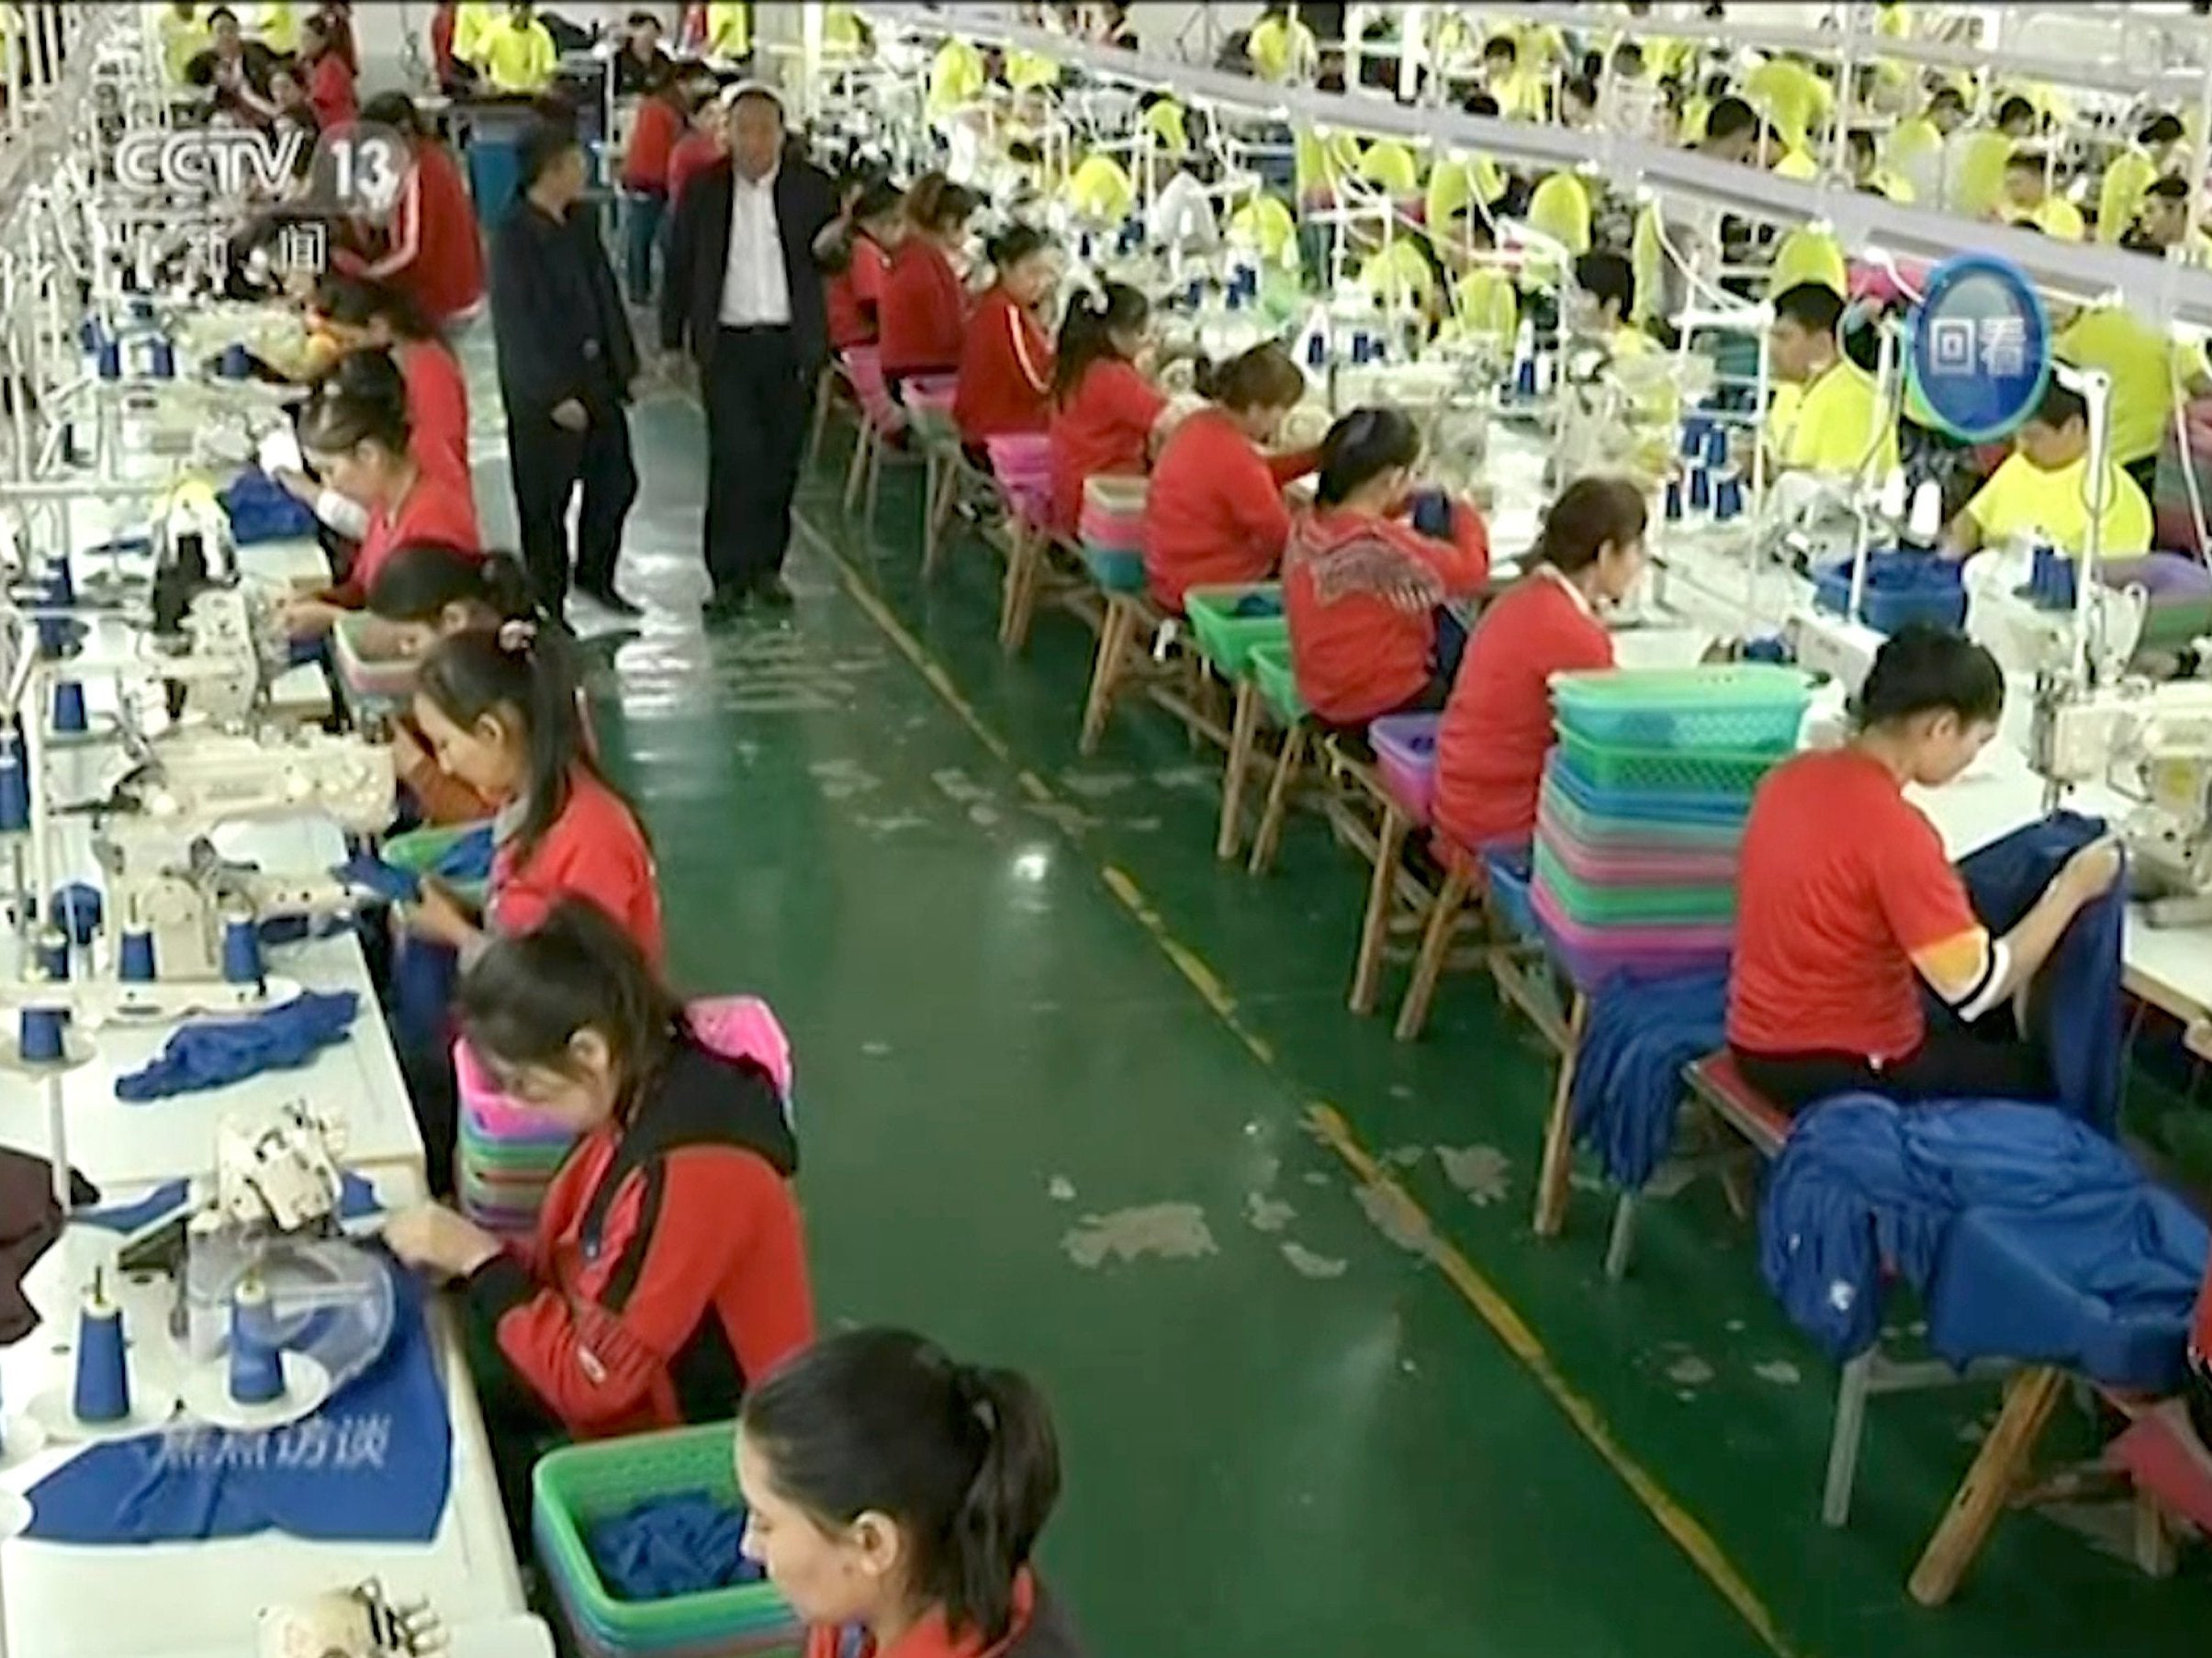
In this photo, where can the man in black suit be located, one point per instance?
(743, 292)
(566, 363)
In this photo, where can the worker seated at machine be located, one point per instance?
(1847, 905)
(1006, 377)
(2042, 490)
(668, 1272)
(1369, 571)
(1498, 728)
(1215, 514)
(2028, 200)
(923, 314)
(1107, 415)
(1828, 416)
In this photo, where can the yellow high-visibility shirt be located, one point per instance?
(1100, 188)
(1389, 165)
(1892, 185)
(1399, 273)
(2054, 216)
(1031, 71)
(1559, 208)
(1455, 186)
(182, 39)
(1165, 124)
(1694, 111)
(273, 22)
(1281, 47)
(1485, 305)
(1318, 163)
(1268, 226)
(1914, 149)
(2144, 365)
(1980, 181)
(1792, 96)
(518, 57)
(2120, 198)
(1522, 97)
(1538, 46)
(471, 18)
(842, 30)
(1805, 255)
(1797, 164)
(1896, 21)
(956, 77)
(1830, 425)
(2022, 499)
(729, 31)
(1647, 258)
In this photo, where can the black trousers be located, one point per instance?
(548, 462)
(1955, 1064)
(758, 399)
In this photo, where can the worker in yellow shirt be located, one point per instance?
(1786, 91)
(2041, 492)
(1600, 306)
(1031, 71)
(1974, 160)
(182, 35)
(1282, 48)
(1892, 20)
(1836, 422)
(728, 34)
(1399, 275)
(1915, 150)
(2162, 225)
(1521, 92)
(1483, 303)
(2130, 175)
(2147, 369)
(1456, 185)
(471, 19)
(1161, 121)
(1864, 159)
(1320, 162)
(1559, 207)
(1390, 167)
(1100, 189)
(515, 52)
(2028, 198)
(273, 28)
(1268, 228)
(956, 78)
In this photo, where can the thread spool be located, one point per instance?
(102, 1390)
(14, 786)
(39, 1034)
(135, 965)
(256, 1361)
(61, 585)
(70, 718)
(1693, 436)
(1317, 351)
(1728, 498)
(53, 956)
(1701, 489)
(1524, 377)
(242, 951)
(53, 637)
(111, 359)
(161, 360)
(1674, 501)
(89, 333)
(1716, 444)
(236, 365)
(77, 908)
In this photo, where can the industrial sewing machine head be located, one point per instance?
(358, 1622)
(192, 551)
(276, 1171)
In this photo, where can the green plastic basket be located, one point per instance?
(1739, 708)
(1554, 808)
(419, 849)
(1228, 638)
(2175, 622)
(576, 1487)
(1277, 680)
(1667, 770)
(1609, 906)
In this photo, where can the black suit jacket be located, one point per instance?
(552, 290)
(699, 255)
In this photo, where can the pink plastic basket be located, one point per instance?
(1624, 866)
(1021, 464)
(864, 368)
(1591, 955)
(1405, 760)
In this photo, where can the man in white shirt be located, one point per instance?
(743, 293)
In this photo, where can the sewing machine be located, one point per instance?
(356, 1623)
(276, 1171)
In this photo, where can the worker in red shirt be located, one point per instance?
(1107, 416)
(1007, 359)
(369, 316)
(329, 78)
(1365, 590)
(500, 712)
(856, 261)
(705, 139)
(1498, 728)
(924, 312)
(432, 249)
(895, 1498)
(654, 131)
(1215, 514)
(1847, 907)
(666, 1272)
(356, 435)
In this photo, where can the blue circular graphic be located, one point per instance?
(1981, 351)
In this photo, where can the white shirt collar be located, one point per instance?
(765, 184)
(1581, 598)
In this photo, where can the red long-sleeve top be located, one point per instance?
(653, 137)
(1005, 372)
(1360, 596)
(855, 295)
(331, 91)
(1215, 514)
(593, 849)
(436, 257)
(693, 154)
(437, 408)
(668, 1268)
(1103, 430)
(923, 313)
(437, 507)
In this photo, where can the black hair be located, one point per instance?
(417, 581)
(877, 197)
(220, 14)
(361, 401)
(2060, 406)
(1501, 46)
(1948, 95)
(1361, 447)
(1584, 87)
(1087, 333)
(1608, 276)
(2025, 161)
(2014, 108)
(963, 1460)
(2172, 187)
(1628, 57)
(1016, 243)
(639, 20)
(1481, 103)
(1588, 513)
(528, 994)
(1813, 305)
(2162, 129)
(1730, 117)
(1861, 138)
(522, 672)
(544, 143)
(1263, 378)
(1924, 669)
(356, 302)
(319, 26)
(935, 202)
(396, 110)
(1592, 65)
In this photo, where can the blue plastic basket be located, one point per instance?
(1901, 589)
(1116, 569)
(1511, 875)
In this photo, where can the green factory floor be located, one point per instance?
(1076, 1098)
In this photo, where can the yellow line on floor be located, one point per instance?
(1330, 1127)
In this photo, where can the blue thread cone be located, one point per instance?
(102, 1392)
(256, 1361)
(1674, 501)
(61, 585)
(14, 787)
(1728, 500)
(39, 1034)
(89, 333)
(1693, 436)
(136, 966)
(77, 908)
(242, 951)
(69, 708)
(163, 360)
(111, 360)
(1701, 489)
(1716, 444)
(1524, 378)
(53, 637)
(236, 364)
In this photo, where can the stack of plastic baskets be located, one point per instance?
(1231, 621)
(1643, 809)
(1021, 464)
(577, 1487)
(1112, 531)
(504, 1157)
(928, 400)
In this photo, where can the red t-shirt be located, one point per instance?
(1214, 515)
(1843, 883)
(931, 1637)
(1005, 372)
(1361, 647)
(331, 90)
(437, 508)
(653, 137)
(595, 850)
(437, 408)
(442, 23)
(855, 295)
(437, 251)
(1103, 429)
(1498, 728)
(693, 154)
(923, 312)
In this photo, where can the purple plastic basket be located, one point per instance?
(1592, 954)
(1405, 760)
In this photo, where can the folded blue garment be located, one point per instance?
(356, 1199)
(1628, 1072)
(200, 1056)
(373, 1465)
(682, 1544)
(261, 509)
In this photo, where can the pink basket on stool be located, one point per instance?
(507, 1199)
(864, 368)
(1405, 760)
(1021, 463)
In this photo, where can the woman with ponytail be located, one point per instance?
(923, 311)
(667, 1271)
(1105, 414)
(894, 1499)
(500, 712)
(368, 316)
(1006, 358)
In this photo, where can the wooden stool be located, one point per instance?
(1277, 680)
(830, 389)
(1129, 615)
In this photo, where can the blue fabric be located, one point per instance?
(1628, 1072)
(2077, 999)
(423, 977)
(215, 1055)
(356, 1200)
(373, 1465)
(2027, 1233)
(467, 859)
(681, 1544)
(261, 509)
